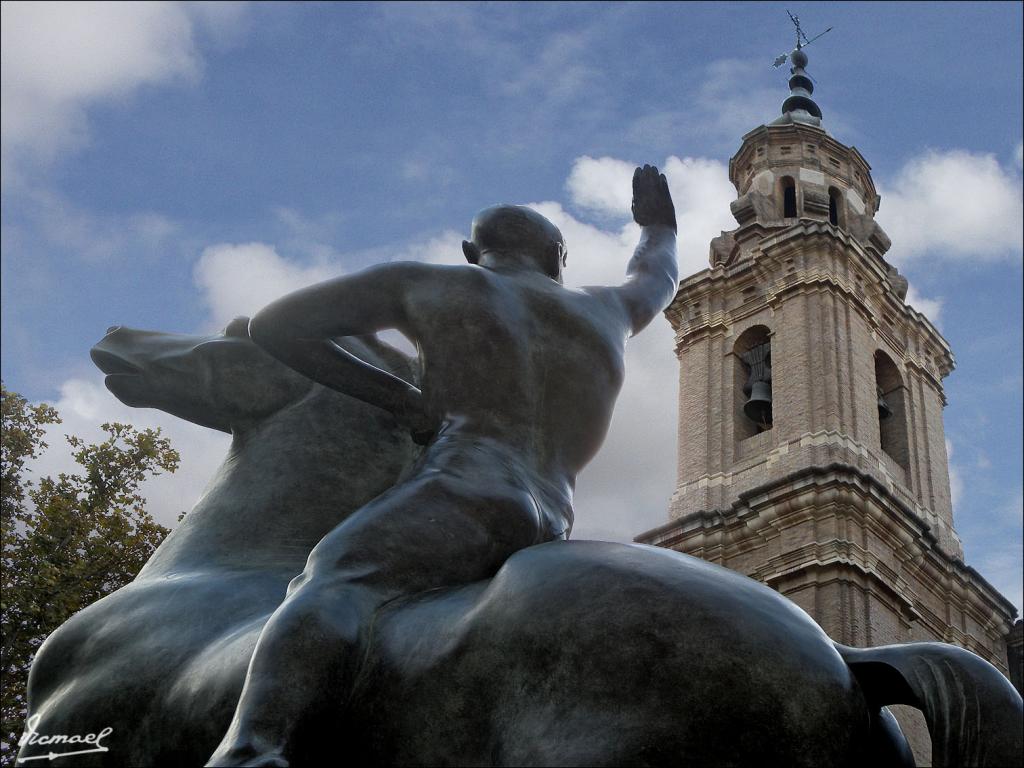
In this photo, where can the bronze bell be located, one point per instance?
(884, 411)
(758, 407)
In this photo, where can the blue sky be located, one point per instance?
(169, 166)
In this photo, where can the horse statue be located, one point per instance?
(215, 580)
(574, 653)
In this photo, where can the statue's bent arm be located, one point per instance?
(298, 329)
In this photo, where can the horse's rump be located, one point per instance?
(596, 653)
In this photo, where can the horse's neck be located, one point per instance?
(283, 485)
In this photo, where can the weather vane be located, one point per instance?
(801, 41)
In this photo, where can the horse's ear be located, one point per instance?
(239, 327)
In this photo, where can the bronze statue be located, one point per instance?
(519, 377)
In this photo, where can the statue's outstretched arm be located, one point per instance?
(297, 329)
(652, 274)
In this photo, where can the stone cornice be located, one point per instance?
(908, 533)
(824, 555)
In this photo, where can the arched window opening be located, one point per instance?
(892, 416)
(752, 382)
(788, 198)
(835, 207)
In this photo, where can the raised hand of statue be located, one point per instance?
(652, 202)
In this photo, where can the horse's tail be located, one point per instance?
(974, 715)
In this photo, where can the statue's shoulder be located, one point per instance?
(428, 270)
(439, 279)
(415, 277)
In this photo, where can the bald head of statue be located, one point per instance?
(514, 235)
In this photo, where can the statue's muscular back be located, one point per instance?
(519, 376)
(545, 363)
(508, 354)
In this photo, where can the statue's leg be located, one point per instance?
(424, 534)
(306, 652)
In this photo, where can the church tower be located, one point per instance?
(812, 455)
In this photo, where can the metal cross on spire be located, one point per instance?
(799, 107)
(801, 40)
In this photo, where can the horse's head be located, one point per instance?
(223, 381)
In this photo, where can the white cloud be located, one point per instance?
(446, 248)
(954, 204)
(422, 168)
(626, 489)
(93, 237)
(930, 308)
(733, 96)
(700, 188)
(242, 278)
(733, 101)
(601, 184)
(702, 192)
(84, 405)
(239, 279)
(309, 235)
(58, 58)
(222, 20)
(596, 256)
(557, 71)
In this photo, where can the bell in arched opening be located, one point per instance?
(758, 407)
(758, 388)
(884, 410)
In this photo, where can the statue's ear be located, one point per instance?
(471, 252)
(559, 253)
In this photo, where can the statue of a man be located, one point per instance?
(519, 376)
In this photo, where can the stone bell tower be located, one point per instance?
(812, 454)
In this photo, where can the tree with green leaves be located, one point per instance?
(66, 541)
